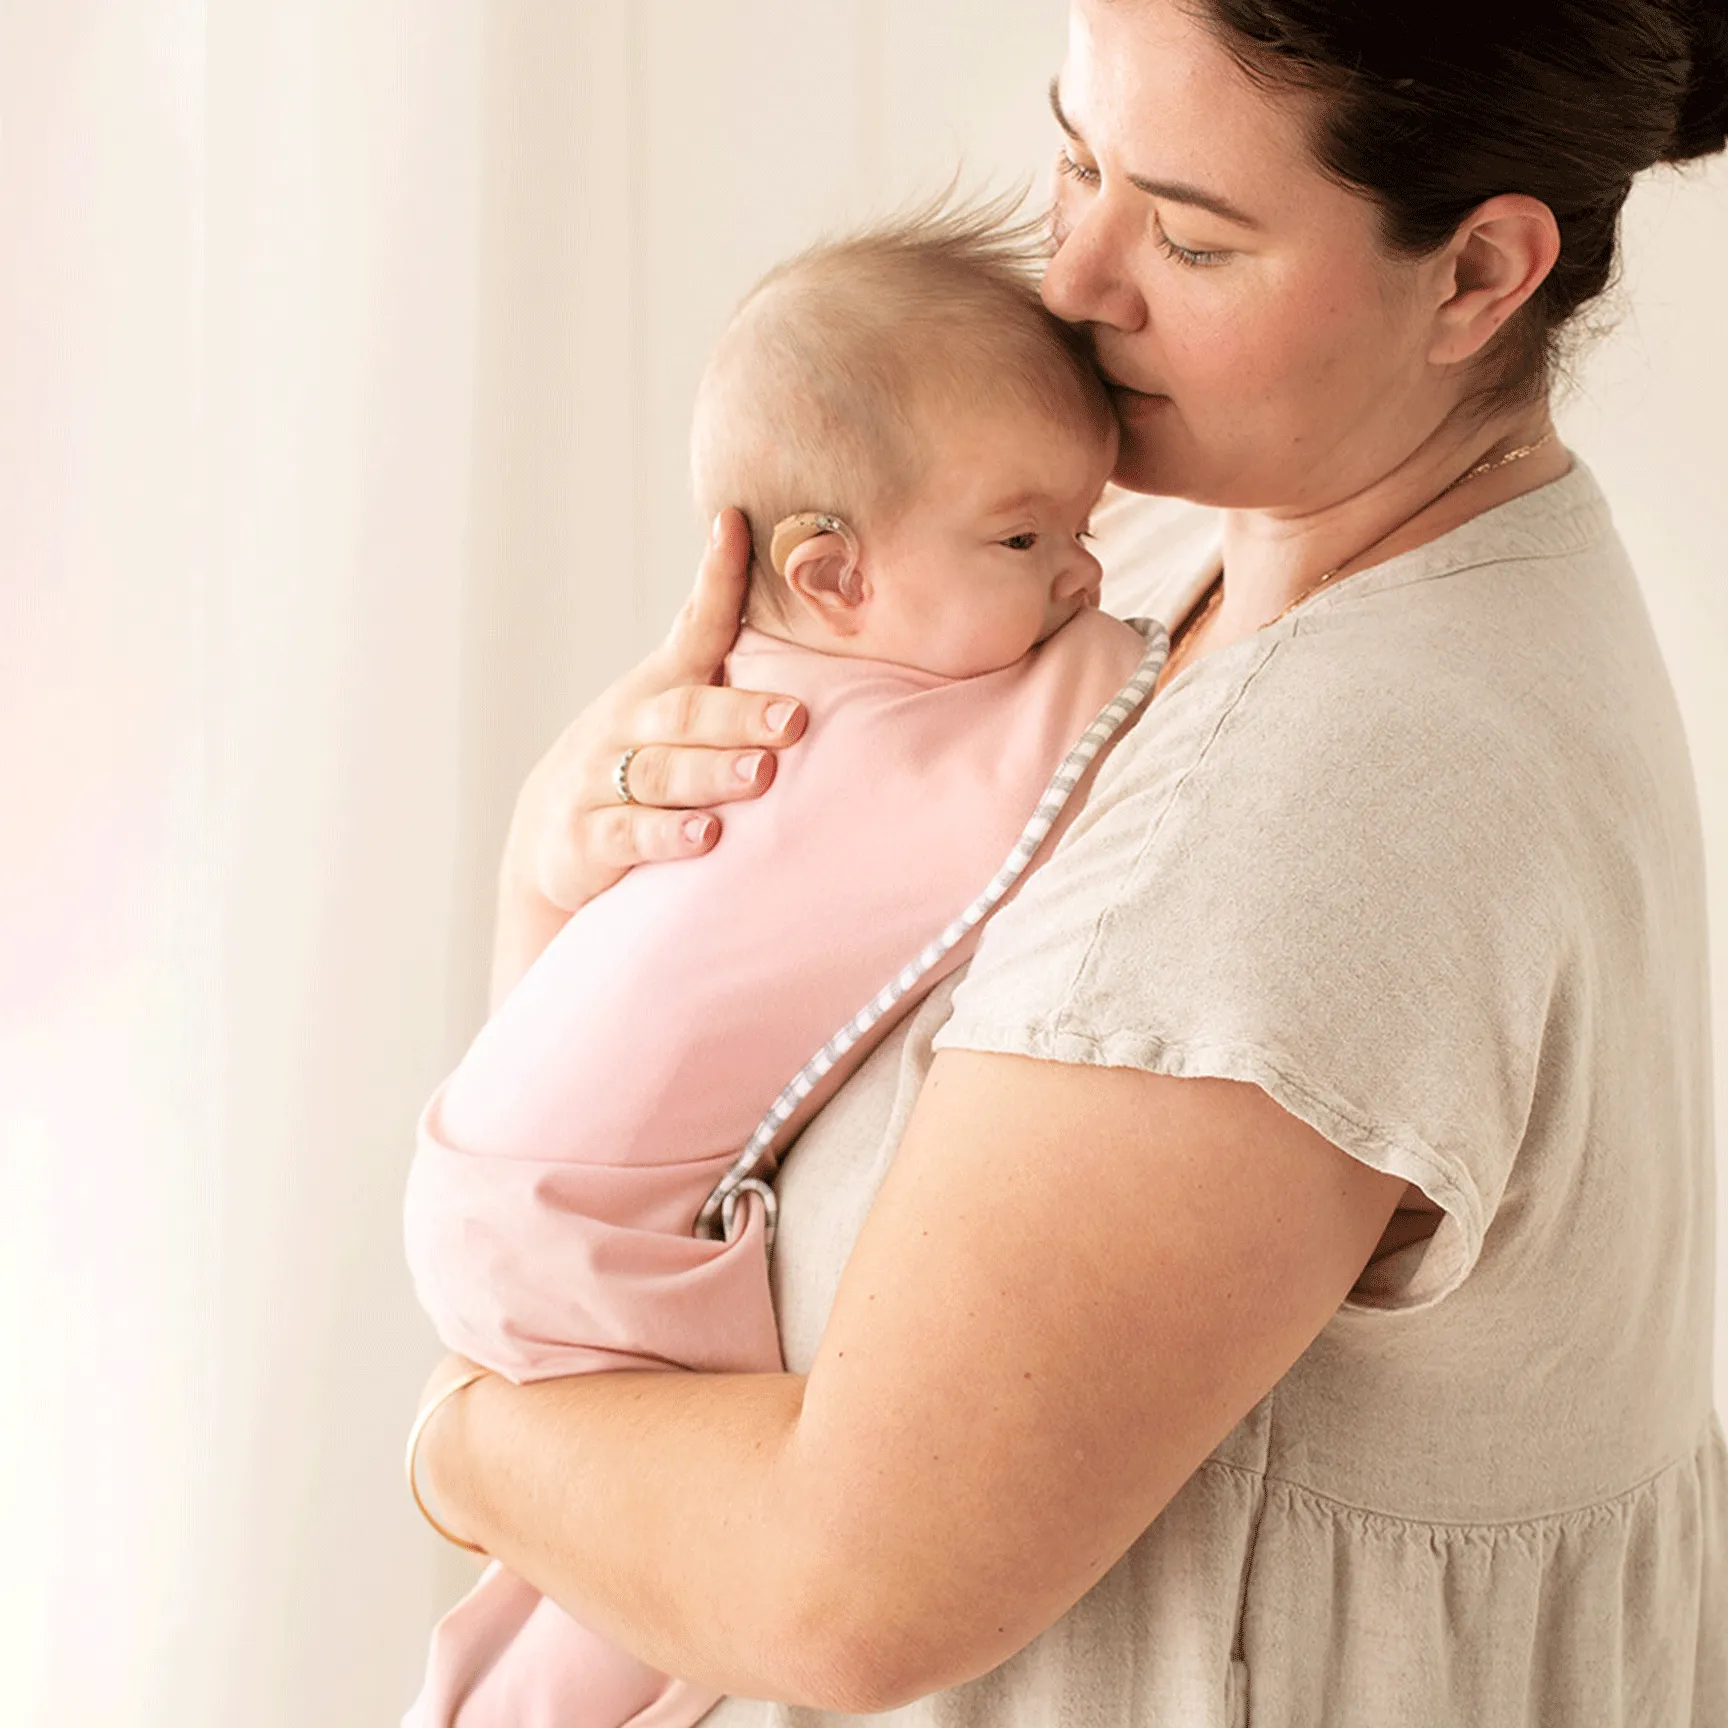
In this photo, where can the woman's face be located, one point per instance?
(1268, 352)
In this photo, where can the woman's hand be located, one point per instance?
(697, 744)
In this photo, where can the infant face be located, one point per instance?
(989, 558)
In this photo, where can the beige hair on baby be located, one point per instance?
(829, 389)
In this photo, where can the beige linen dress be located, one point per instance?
(1423, 861)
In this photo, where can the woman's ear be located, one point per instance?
(819, 558)
(1499, 257)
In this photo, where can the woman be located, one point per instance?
(1288, 1294)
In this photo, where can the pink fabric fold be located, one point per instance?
(559, 1171)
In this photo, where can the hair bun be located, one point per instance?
(1702, 128)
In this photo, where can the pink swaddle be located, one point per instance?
(671, 1037)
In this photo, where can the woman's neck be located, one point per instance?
(1273, 559)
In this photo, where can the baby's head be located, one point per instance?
(917, 443)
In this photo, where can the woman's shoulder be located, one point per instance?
(1466, 758)
(1456, 780)
(1542, 582)
(1473, 749)
(1512, 659)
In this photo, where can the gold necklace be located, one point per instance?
(1191, 628)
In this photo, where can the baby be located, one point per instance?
(918, 446)
(910, 383)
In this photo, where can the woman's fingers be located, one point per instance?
(707, 623)
(671, 786)
(717, 716)
(697, 743)
(597, 845)
(602, 837)
(685, 779)
(627, 835)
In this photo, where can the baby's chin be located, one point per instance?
(973, 661)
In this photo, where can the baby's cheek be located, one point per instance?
(970, 639)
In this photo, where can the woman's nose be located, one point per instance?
(1086, 281)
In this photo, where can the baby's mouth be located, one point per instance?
(1066, 613)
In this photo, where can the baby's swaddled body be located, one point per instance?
(917, 446)
(560, 1170)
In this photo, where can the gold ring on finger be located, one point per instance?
(621, 776)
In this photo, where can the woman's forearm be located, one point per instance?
(656, 1509)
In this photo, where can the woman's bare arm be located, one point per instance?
(698, 745)
(1074, 1282)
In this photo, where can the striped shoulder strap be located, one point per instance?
(754, 1168)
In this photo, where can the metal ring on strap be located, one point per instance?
(731, 1224)
(756, 1166)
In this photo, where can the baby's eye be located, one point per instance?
(1021, 542)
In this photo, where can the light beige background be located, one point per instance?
(345, 355)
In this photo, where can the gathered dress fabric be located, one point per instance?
(560, 1172)
(1423, 861)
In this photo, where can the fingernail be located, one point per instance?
(697, 828)
(714, 532)
(779, 715)
(746, 767)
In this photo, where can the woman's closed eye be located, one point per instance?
(1065, 164)
(1188, 256)
(1193, 257)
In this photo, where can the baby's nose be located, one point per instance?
(1082, 574)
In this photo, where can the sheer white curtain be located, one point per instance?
(345, 352)
(346, 349)
(237, 329)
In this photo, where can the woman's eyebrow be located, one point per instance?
(1176, 191)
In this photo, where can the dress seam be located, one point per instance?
(1560, 1515)
(1485, 561)
(1238, 1650)
(1586, 540)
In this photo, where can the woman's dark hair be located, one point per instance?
(1433, 109)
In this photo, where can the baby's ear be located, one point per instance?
(818, 556)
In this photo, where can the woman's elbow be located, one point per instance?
(858, 1641)
(851, 1672)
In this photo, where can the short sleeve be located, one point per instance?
(1327, 871)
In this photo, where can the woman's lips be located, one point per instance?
(1131, 401)
(1118, 388)
(1117, 383)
